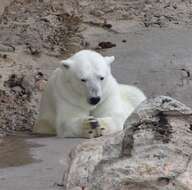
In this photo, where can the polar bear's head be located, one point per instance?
(88, 72)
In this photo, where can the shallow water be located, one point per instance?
(15, 151)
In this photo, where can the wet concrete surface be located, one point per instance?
(15, 151)
(48, 157)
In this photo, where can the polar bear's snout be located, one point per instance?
(94, 100)
(94, 91)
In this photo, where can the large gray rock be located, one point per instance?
(152, 153)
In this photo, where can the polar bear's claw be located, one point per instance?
(94, 124)
(92, 128)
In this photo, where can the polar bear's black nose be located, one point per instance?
(94, 100)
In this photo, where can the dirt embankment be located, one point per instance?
(40, 27)
(54, 27)
(32, 35)
(148, 12)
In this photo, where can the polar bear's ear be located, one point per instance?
(109, 60)
(66, 63)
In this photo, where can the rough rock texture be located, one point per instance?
(149, 12)
(54, 27)
(19, 99)
(22, 79)
(152, 153)
(40, 26)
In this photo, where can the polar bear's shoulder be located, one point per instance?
(55, 74)
(132, 94)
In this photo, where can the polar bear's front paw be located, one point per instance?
(93, 128)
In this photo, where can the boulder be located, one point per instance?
(153, 152)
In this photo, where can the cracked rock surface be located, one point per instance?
(152, 153)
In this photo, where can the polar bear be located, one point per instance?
(83, 99)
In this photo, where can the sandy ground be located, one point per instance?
(157, 61)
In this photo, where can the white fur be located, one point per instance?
(65, 109)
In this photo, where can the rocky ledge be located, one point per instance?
(152, 153)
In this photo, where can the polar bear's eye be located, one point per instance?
(83, 80)
(101, 78)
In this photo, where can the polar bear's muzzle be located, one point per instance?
(94, 100)
(94, 92)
